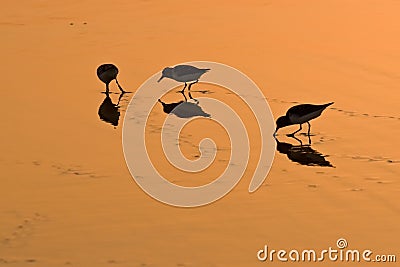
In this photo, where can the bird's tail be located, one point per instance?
(205, 70)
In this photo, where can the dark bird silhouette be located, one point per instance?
(300, 114)
(107, 73)
(183, 73)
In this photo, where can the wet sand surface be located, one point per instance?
(67, 195)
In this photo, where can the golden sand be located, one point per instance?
(67, 196)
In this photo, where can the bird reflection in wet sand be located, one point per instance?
(303, 154)
(184, 109)
(108, 111)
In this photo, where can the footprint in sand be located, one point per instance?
(23, 230)
(68, 170)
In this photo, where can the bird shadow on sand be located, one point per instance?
(204, 92)
(186, 108)
(302, 154)
(109, 111)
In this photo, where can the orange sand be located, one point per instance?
(67, 196)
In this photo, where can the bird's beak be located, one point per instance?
(275, 132)
(160, 79)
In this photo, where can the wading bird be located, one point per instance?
(300, 114)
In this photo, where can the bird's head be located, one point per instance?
(167, 72)
(281, 122)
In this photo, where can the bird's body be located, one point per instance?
(107, 73)
(305, 112)
(183, 73)
(300, 114)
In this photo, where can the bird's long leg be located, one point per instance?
(119, 86)
(309, 129)
(183, 95)
(292, 134)
(190, 85)
(107, 88)
(183, 90)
